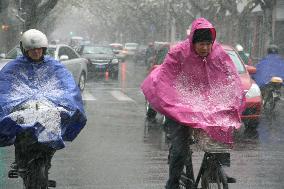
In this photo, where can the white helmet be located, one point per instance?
(33, 39)
(239, 47)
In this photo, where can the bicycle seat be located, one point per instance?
(231, 180)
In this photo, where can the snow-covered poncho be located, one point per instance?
(48, 91)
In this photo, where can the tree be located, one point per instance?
(148, 20)
(239, 18)
(3, 5)
(267, 6)
(36, 11)
(5, 26)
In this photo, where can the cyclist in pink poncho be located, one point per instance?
(197, 86)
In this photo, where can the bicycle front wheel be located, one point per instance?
(214, 179)
(269, 104)
(37, 175)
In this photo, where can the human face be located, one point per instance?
(203, 48)
(35, 54)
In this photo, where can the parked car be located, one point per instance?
(2, 55)
(63, 53)
(117, 48)
(101, 59)
(130, 48)
(253, 106)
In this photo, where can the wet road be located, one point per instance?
(112, 151)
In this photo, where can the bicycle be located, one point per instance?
(32, 162)
(33, 158)
(271, 95)
(211, 173)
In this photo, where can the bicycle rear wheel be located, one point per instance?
(214, 179)
(146, 128)
(150, 112)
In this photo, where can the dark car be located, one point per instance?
(101, 58)
(140, 54)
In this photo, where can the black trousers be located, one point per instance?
(24, 153)
(180, 137)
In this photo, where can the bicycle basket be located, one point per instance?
(207, 144)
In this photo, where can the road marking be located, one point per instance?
(88, 96)
(120, 96)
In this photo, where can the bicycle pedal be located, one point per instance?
(52, 183)
(231, 180)
(13, 174)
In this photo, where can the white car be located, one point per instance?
(131, 48)
(117, 48)
(63, 53)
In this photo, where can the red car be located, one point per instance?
(252, 112)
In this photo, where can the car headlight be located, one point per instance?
(114, 61)
(254, 91)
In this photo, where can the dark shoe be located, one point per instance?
(231, 180)
(52, 183)
(13, 174)
(172, 187)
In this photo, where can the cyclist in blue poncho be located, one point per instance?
(38, 94)
(272, 65)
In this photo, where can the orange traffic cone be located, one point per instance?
(106, 75)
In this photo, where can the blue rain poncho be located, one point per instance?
(270, 66)
(45, 96)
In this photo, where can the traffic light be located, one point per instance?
(5, 27)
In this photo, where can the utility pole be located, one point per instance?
(173, 30)
(19, 15)
(167, 21)
(273, 20)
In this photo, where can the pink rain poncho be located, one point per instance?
(199, 92)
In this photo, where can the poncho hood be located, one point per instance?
(201, 23)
